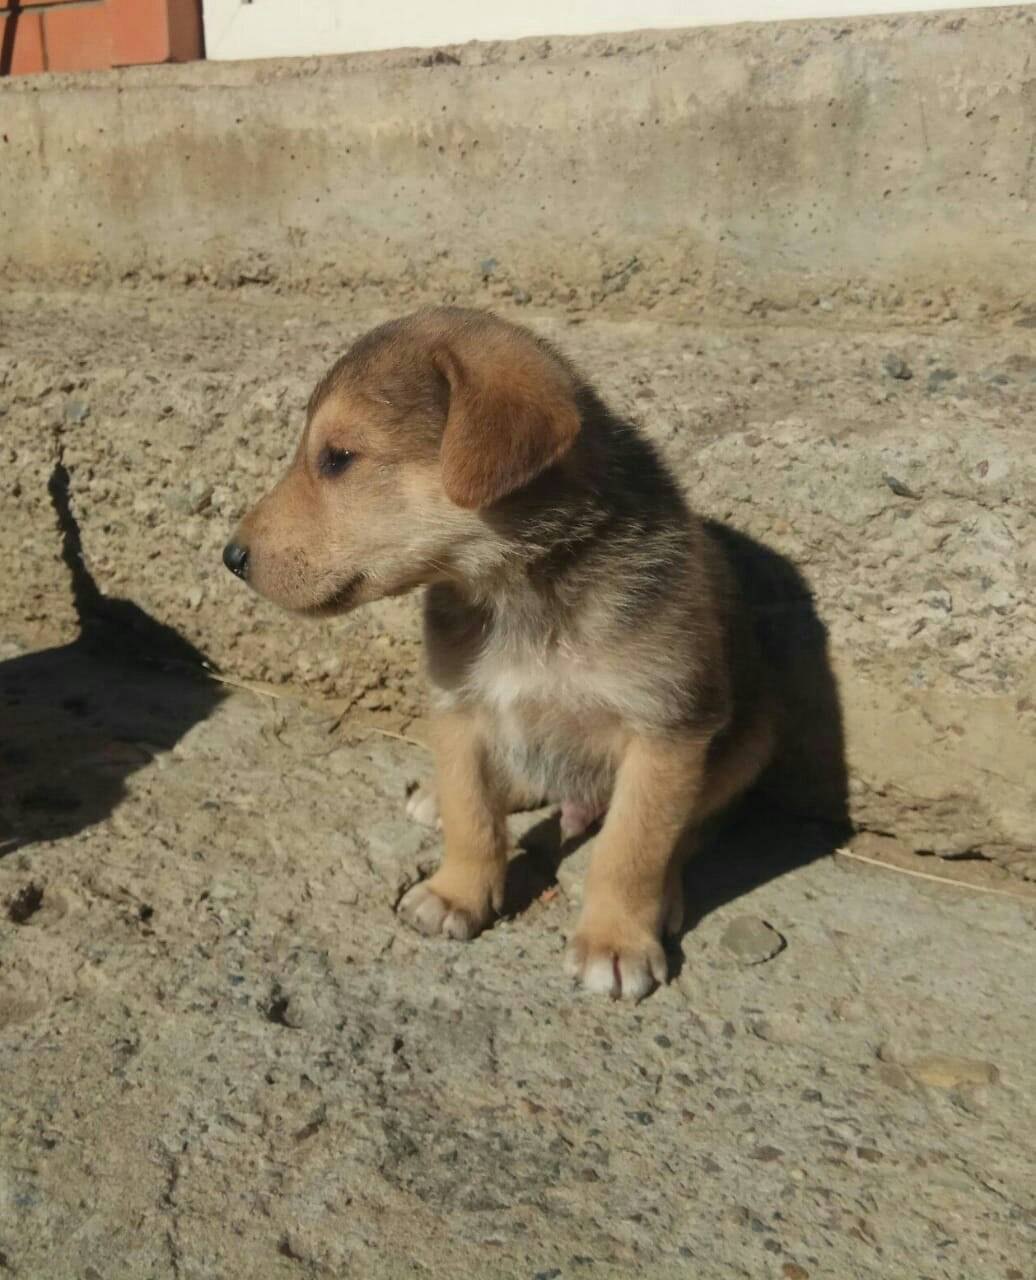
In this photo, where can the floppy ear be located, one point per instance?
(512, 414)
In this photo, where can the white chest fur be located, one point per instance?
(510, 677)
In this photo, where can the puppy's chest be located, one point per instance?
(548, 688)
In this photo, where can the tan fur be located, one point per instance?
(585, 636)
(524, 396)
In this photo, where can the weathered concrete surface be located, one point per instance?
(222, 1055)
(885, 163)
(906, 502)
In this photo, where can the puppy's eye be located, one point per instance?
(333, 462)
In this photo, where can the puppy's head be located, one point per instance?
(422, 428)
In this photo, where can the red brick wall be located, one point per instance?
(91, 35)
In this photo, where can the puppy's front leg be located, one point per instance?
(459, 900)
(633, 885)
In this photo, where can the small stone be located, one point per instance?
(792, 1271)
(896, 367)
(487, 266)
(767, 1154)
(197, 497)
(938, 378)
(293, 1011)
(522, 297)
(76, 411)
(943, 1071)
(900, 489)
(752, 940)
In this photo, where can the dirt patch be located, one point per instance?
(895, 474)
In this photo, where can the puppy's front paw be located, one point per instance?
(613, 955)
(423, 806)
(442, 905)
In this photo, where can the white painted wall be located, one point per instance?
(290, 28)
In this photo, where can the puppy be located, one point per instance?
(584, 634)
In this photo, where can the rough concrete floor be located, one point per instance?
(221, 1055)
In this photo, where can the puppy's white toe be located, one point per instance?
(599, 977)
(458, 925)
(639, 975)
(429, 912)
(423, 909)
(423, 806)
(629, 970)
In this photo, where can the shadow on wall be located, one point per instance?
(799, 810)
(78, 720)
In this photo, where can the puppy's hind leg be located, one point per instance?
(422, 806)
(578, 816)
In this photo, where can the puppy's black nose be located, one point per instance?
(236, 559)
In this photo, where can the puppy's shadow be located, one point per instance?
(77, 720)
(798, 811)
(757, 842)
(754, 843)
(534, 868)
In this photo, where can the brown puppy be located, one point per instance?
(585, 638)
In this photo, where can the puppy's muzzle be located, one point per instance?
(235, 557)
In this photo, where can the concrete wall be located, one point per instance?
(880, 163)
(282, 28)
